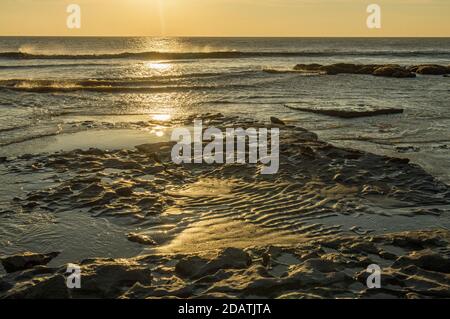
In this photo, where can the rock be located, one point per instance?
(93, 190)
(154, 147)
(26, 260)
(190, 266)
(348, 113)
(53, 287)
(147, 202)
(230, 258)
(124, 191)
(388, 70)
(275, 120)
(119, 164)
(341, 68)
(424, 259)
(431, 69)
(308, 67)
(393, 71)
(141, 239)
(3, 159)
(109, 278)
(265, 259)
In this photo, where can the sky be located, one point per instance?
(284, 18)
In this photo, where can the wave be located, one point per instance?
(106, 86)
(286, 71)
(155, 55)
(44, 66)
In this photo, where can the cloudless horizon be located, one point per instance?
(226, 18)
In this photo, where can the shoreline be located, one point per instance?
(322, 194)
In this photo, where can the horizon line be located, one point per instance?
(211, 36)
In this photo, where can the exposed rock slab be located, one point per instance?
(26, 260)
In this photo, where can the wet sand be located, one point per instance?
(193, 231)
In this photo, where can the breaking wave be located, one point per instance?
(215, 55)
(106, 86)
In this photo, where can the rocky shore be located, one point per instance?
(387, 70)
(413, 266)
(226, 231)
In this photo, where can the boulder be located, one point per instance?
(229, 258)
(338, 68)
(141, 239)
(431, 69)
(275, 120)
(26, 260)
(53, 287)
(425, 259)
(308, 67)
(393, 71)
(109, 278)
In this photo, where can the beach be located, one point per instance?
(87, 176)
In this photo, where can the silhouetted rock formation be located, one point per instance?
(387, 70)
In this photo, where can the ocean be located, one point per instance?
(44, 81)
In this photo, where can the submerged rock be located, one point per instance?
(431, 69)
(348, 113)
(275, 120)
(141, 239)
(26, 260)
(393, 71)
(388, 70)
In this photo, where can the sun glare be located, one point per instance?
(161, 117)
(159, 66)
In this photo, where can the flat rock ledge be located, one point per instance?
(330, 267)
(26, 260)
(386, 70)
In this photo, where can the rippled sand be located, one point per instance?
(227, 231)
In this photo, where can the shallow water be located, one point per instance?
(45, 80)
(59, 103)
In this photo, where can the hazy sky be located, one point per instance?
(226, 17)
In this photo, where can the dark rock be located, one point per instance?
(393, 71)
(276, 120)
(141, 239)
(106, 278)
(154, 147)
(26, 260)
(425, 259)
(53, 287)
(92, 190)
(124, 191)
(431, 69)
(348, 113)
(230, 258)
(339, 68)
(389, 70)
(190, 266)
(308, 67)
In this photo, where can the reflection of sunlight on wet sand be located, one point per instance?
(206, 234)
(219, 233)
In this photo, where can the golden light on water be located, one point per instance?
(161, 117)
(159, 66)
(159, 130)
